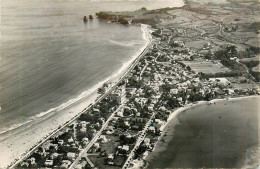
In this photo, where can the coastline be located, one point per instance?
(54, 121)
(173, 120)
(15, 149)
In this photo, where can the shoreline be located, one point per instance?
(173, 119)
(78, 107)
(112, 78)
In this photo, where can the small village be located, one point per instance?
(121, 129)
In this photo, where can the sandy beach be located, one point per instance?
(14, 145)
(176, 128)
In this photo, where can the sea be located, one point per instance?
(223, 134)
(50, 59)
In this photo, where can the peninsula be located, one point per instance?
(198, 52)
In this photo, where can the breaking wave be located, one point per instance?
(124, 43)
(146, 36)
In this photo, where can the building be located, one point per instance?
(119, 95)
(123, 149)
(54, 156)
(48, 162)
(110, 159)
(61, 142)
(32, 161)
(65, 164)
(71, 156)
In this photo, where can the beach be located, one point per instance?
(14, 147)
(48, 92)
(50, 69)
(210, 134)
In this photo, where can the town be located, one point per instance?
(121, 129)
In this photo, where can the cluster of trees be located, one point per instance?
(163, 58)
(89, 118)
(174, 45)
(126, 140)
(254, 50)
(132, 82)
(81, 135)
(163, 116)
(221, 74)
(173, 103)
(157, 33)
(148, 91)
(252, 63)
(139, 152)
(231, 52)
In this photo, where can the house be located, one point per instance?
(103, 139)
(48, 162)
(71, 156)
(162, 108)
(32, 161)
(110, 159)
(70, 140)
(84, 124)
(120, 113)
(54, 156)
(61, 142)
(96, 111)
(65, 164)
(46, 146)
(96, 145)
(123, 149)
(25, 164)
(83, 130)
(151, 129)
(147, 141)
(54, 146)
(85, 139)
(79, 166)
(180, 99)
(158, 127)
(150, 108)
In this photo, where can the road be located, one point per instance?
(146, 64)
(111, 89)
(27, 154)
(138, 142)
(90, 163)
(90, 144)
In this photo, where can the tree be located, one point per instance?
(143, 9)
(189, 68)
(173, 103)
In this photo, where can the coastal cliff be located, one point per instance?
(144, 16)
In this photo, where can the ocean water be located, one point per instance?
(211, 136)
(49, 56)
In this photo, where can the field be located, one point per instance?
(207, 67)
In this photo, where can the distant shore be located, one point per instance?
(174, 120)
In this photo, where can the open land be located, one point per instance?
(174, 71)
(207, 67)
